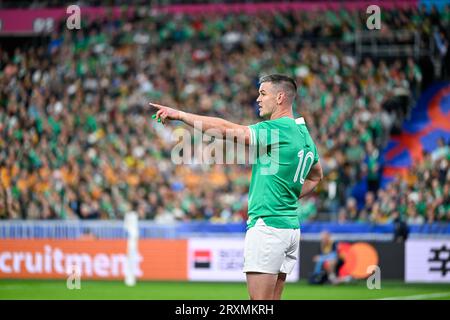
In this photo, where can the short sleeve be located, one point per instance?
(310, 142)
(316, 154)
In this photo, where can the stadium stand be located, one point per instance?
(76, 142)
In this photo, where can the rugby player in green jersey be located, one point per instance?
(286, 168)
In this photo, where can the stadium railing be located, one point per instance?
(114, 229)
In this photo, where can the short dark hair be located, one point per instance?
(286, 82)
(277, 79)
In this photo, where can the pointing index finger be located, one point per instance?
(157, 106)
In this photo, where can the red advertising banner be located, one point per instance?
(29, 21)
(252, 8)
(96, 259)
(26, 21)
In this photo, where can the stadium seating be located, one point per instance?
(77, 142)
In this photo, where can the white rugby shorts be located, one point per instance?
(270, 250)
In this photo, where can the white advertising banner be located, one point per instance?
(427, 260)
(220, 259)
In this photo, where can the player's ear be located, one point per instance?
(280, 97)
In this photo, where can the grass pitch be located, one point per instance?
(145, 290)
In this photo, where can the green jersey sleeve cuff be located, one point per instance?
(252, 136)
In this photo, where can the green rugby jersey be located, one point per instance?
(283, 156)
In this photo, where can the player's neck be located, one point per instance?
(282, 112)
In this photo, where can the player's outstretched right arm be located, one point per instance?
(225, 128)
(312, 180)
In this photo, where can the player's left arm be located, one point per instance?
(226, 129)
(315, 175)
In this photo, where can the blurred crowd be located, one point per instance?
(423, 196)
(77, 140)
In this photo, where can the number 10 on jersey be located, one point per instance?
(302, 162)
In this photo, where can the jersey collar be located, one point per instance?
(300, 120)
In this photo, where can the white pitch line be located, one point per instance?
(420, 296)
